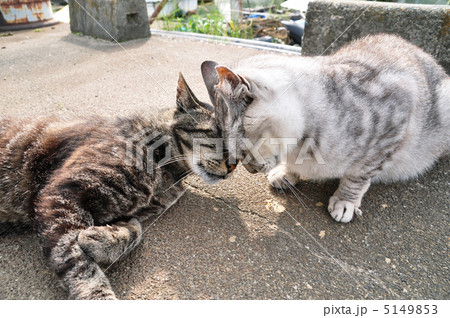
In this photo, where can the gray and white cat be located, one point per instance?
(376, 110)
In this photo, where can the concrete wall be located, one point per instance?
(331, 24)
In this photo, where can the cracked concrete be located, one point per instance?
(237, 239)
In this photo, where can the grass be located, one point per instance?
(207, 20)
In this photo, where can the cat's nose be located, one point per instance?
(230, 167)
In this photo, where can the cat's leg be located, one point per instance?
(279, 175)
(59, 221)
(346, 200)
(106, 244)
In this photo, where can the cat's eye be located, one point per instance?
(210, 146)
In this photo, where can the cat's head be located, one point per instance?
(232, 95)
(198, 137)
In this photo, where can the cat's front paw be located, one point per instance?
(278, 177)
(96, 242)
(106, 244)
(341, 210)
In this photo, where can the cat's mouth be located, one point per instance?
(250, 169)
(210, 177)
(255, 168)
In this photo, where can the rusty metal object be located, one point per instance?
(25, 14)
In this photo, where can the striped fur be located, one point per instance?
(376, 110)
(71, 181)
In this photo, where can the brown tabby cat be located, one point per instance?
(86, 193)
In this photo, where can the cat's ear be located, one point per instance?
(186, 99)
(235, 80)
(210, 77)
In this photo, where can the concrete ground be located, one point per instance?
(238, 239)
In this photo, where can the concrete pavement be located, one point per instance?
(239, 239)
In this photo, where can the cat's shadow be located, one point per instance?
(231, 241)
(193, 238)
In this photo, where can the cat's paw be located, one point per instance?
(278, 177)
(106, 244)
(96, 242)
(341, 210)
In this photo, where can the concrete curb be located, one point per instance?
(280, 48)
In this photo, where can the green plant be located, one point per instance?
(240, 30)
(208, 20)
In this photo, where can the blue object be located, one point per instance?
(257, 15)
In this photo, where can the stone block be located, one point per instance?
(331, 24)
(119, 20)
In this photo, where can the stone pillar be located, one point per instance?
(119, 20)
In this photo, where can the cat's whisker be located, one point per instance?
(301, 193)
(170, 162)
(293, 190)
(178, 157)
(173, 161)
(295, 194)
(184, 176)
(290, 188)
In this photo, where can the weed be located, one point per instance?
(207, 21)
